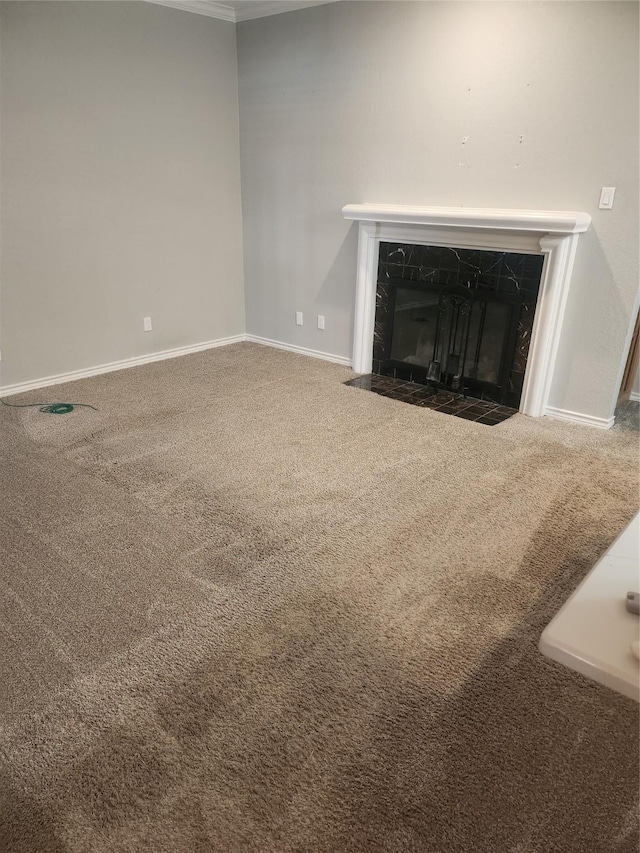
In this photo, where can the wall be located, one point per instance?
(372, 102)
(120, 184)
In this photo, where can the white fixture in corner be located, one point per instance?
(550, 232)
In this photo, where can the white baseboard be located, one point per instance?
(325, 356)
(61, 378)
(578, 418)
(635, 396)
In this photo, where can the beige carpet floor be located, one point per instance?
(246, 608)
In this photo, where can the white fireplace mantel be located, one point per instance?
(552, 233)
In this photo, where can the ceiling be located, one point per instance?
(239, 10)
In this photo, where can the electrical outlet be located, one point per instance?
(147, 324)
(298, 318)
(321, 321)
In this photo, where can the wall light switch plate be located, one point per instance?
(606, 198)
(147, 324)
(321, 321)
(298, 318)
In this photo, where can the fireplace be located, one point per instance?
(456, 319)
(549, 236)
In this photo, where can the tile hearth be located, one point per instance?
(480, 411)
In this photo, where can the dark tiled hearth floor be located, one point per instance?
(481, 411)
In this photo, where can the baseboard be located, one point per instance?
(325, 356)
(61, 378)
(578, 418)
(634, 396)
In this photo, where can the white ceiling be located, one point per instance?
(239, 10)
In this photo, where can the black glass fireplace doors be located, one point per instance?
(452, 336)
(458, 339)
(457, 319)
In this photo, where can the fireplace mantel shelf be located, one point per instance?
(552, 233)
(537, 221)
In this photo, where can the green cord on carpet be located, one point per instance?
(49, 408)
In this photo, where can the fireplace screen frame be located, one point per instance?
(500, 390)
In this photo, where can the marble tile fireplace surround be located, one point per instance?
(550, 234)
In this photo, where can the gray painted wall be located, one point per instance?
(358, 102)
(120, 184)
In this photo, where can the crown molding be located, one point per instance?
(275, 7)
(201, 7)
(226, 12)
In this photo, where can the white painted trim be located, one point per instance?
(325, 356)
(441, 235)
(634, 396)
(560, 252)
(501, 230)
(60, 378)
(210, 9)
(72, 376)
(225, 12)
(366, 278)
(547, 221)
(275, 7)
(579, 418)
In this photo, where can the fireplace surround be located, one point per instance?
(551, 234)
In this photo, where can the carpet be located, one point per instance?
(244, 607)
